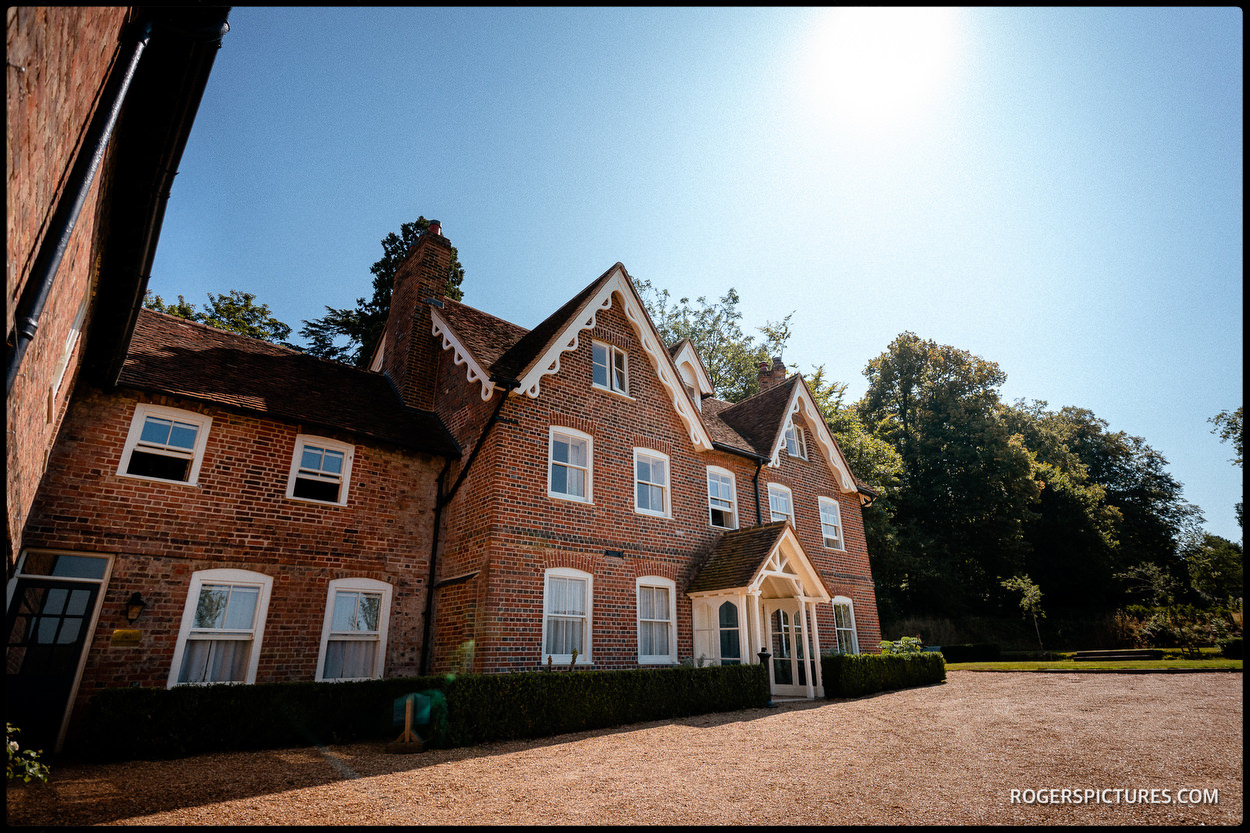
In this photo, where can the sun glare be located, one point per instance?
(879, 67)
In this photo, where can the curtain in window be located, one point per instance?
(566, 619)
(653, 621)
(352, 649)
(215, 661)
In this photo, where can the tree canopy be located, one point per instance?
(344, 334)
(236, 312)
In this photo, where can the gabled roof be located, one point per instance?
(178, 357)
(763, 419)
(536, 353)
(745, 559)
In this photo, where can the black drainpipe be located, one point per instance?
(442, 500)
(61, 227)
(759, 517)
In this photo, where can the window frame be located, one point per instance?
(837, 601)
(363, 585)
(232, 577)
(551, 463)
(840, 540)
(325, 443)
(780, 488)
(796, 436)
(583, 657)
(611, 351)
(202, 422)
(654, 582)
(666, 487)
(733, 497)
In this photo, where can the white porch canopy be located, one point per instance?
(759, 592)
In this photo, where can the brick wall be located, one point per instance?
(504, 525)
(237, 516)
(59, 58)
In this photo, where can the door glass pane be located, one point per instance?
(54, 601)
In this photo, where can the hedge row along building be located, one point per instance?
(217, 509)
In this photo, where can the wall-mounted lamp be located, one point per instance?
(134, 607)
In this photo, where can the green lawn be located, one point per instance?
(1162, 665)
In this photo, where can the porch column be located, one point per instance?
(754, 616)
(820, 683)
(807, 649)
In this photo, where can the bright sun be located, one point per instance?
(875, 68)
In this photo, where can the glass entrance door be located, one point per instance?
(49, 620)
(789, 661)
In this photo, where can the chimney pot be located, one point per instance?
(436, 228)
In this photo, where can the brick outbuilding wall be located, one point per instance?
(237, 516)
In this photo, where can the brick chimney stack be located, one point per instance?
(410, 351)
(771, 376)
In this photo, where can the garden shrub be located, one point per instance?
(1230, 647)
(854, 675)
(129, 723)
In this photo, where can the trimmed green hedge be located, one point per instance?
(129, 723)
(854, 675)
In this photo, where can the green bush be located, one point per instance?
(973, 652)
(129, 723)
(854, 675)
(1230, 647)
(23, 764)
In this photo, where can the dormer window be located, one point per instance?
(611, 368)
(796, 442)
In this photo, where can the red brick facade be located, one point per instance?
(498, 531)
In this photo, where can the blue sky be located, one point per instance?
(1055, 190)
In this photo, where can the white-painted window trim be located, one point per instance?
(616, 368)
(668, 619)
(663, 485)
(71, 340)
(588, 469)
(376, 638)
(831, 523)
(322, 473)
(796, 442)
(780, 497)
(585, 616)
(844, 625)
(245, 579)
(717, 502)
(195, 454)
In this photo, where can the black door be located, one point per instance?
(48, 622)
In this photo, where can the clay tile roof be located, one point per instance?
(759, 419)
(178, 357)
(485, 335)
(737, 557)
(517, 360)
(719, 429)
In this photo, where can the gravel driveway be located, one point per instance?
(949, 753)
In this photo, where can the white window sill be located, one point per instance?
(158, 479)
(570, 499)
(647, 514)
(316, 503)
(613, 392)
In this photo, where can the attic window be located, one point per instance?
(796, 442)
(611, 368)
(320, 470)
(165, 444)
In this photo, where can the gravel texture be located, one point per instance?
(949, 753)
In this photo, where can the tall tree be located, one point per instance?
(966, 486)
(344, 334)
(236, 312)
(1228, 426)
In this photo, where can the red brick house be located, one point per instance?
(482, 498)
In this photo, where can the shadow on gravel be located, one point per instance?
(88, 793)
